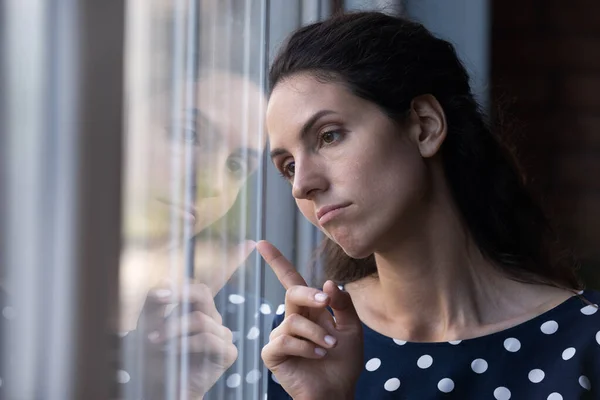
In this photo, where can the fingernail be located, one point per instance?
(154, 336)
(162, 293)
(320, 297)
(330, 340)
(320, 352)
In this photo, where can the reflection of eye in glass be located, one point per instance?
(195, 129)
(242, 162)
(236, 165)
(185, 134)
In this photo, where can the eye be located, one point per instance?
(288, 170)
(186, 135)
(236, 166)
(191, 136)
(330, 137)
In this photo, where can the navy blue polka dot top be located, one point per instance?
(553, 356)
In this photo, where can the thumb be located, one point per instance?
(343, 308)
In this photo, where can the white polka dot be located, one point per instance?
(446, 385)
(555, 396)
(598, 337)
(280, 309)
(580, 292)
(455, 342)
(536, 375)
(123, 376)
(585, 382)
(233, 380)
(425, 361)
(236, 299)
(400, 342)
(513, 345)
(502, 393)
(253, 376)
(392, 384)
(549, 327)
(479, 366)
(235, 336)
(373, 364)
(123, 334)
(265, 309)
(8, 312)
(274, 379)
(568, 353)
(253, 333)
(589, 310)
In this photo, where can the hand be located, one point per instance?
(144, 269)
(300, 352)
(194, 329)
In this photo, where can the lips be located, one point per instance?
(325, 209)
(186, 211)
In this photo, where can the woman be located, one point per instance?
(453, 284)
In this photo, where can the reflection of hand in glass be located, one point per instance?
(210, 344)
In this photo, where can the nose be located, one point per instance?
(209, 186)
(309, 179)
(210, 174)
(211, 179)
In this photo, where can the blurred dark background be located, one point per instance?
(545, 80)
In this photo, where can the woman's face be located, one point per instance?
(225, 122)
(339, 150)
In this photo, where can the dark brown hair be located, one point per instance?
(389, 61)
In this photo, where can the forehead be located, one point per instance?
(235, 105)
(296, 99)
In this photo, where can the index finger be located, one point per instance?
(285, 271)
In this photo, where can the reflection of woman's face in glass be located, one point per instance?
(225, 125)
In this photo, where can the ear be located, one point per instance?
(427, 113)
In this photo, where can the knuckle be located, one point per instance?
(288, 295)
(210, 341)
(265, 353)
(292, 292)
(283, 341)
(293, 319)
(231, 354)
(200, 320)
(227, 334)
(200, 290)
(274, 333)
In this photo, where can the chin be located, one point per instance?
(352, 247)
(357, 253)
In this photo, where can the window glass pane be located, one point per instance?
(195, 194)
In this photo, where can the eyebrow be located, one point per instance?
(305, 130)
(195, 117)
(248, 152)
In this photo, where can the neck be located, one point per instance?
(435, 285)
